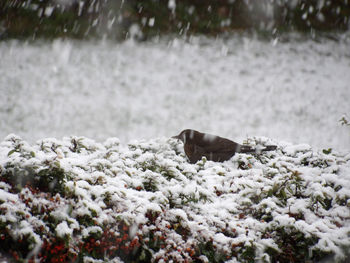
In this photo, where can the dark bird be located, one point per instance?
(214, 148)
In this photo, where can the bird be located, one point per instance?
(214, 148)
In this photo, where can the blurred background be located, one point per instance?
(118, 19)
(141, 69)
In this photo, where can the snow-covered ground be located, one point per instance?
(295, 91)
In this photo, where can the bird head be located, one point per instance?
(185, 135)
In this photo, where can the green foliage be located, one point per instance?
(46, 180)
(344, 121)
(208, 249)
(247, 254)
(150, 184)
(294, 246)
(327, 151)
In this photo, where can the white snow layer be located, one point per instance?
(295, 91)
(247, 201)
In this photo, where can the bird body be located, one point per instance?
(214, 148)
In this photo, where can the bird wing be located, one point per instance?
(219, 155)
(218, 144)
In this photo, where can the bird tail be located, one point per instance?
(249, 149)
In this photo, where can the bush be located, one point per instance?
(75, 200)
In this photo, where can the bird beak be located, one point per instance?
(176, 137)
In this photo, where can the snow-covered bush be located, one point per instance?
(75, 200)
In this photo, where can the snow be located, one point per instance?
(93, 229)
(62, 229)
(295, 91)
(6, 196)
(172, 4)
(292, 150)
